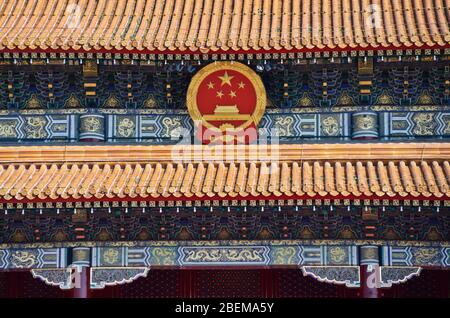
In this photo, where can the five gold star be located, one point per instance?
(226, 79)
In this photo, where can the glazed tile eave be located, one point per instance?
(376, 174)
(253, 181)
(207, 26)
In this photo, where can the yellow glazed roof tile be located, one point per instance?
(318, 179)
(207, 26)
(75, 173)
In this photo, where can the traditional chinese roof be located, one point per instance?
(205, 26)
(96, 173)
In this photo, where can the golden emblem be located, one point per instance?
(126, 127)
(111, 256)
(23, 259)
(365, 122)
(90, 124)
(330, 126)
(226, 97)
(7, 129)
(425, 124)
(35, 127)
(337, 255)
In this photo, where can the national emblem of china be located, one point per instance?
(226, 100)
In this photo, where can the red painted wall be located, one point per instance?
(252, 283)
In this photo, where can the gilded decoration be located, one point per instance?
(442, 246)
(126, 127)
(8, 128)
(18, 236)
(172, 126)
(434, 235)
(185, 253)
(426, 256)
(446, 120)
(385, 99)
(80, 255)
(345, 99)
(24, 258)
(425, 99)
(306, 233)
(347, 233)
(369, 253)
(338, 255)
(163, 256)
(330, 125)
(60, 236)
(365, 66)
(400, 124)
(150, 102)
(112, 102)
(365, 122)
(226, 97)
(90, 68)
(391, 234)
(284, 125)
(33, 103)
(285, 255)
(234, 255)
(184, 234)
(35, 127)
(265, 234)
(224, 234)
(287, 123)
(305, 101)
(425, 124)
(111, 256)
(143, 235)
(223, 255)
(73, 102)
(91, 124)
(103, 235)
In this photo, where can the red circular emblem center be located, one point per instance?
(226, 97)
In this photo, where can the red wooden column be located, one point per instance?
(82, 288)
(81, 261)
(368, 287)
(369, 267)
